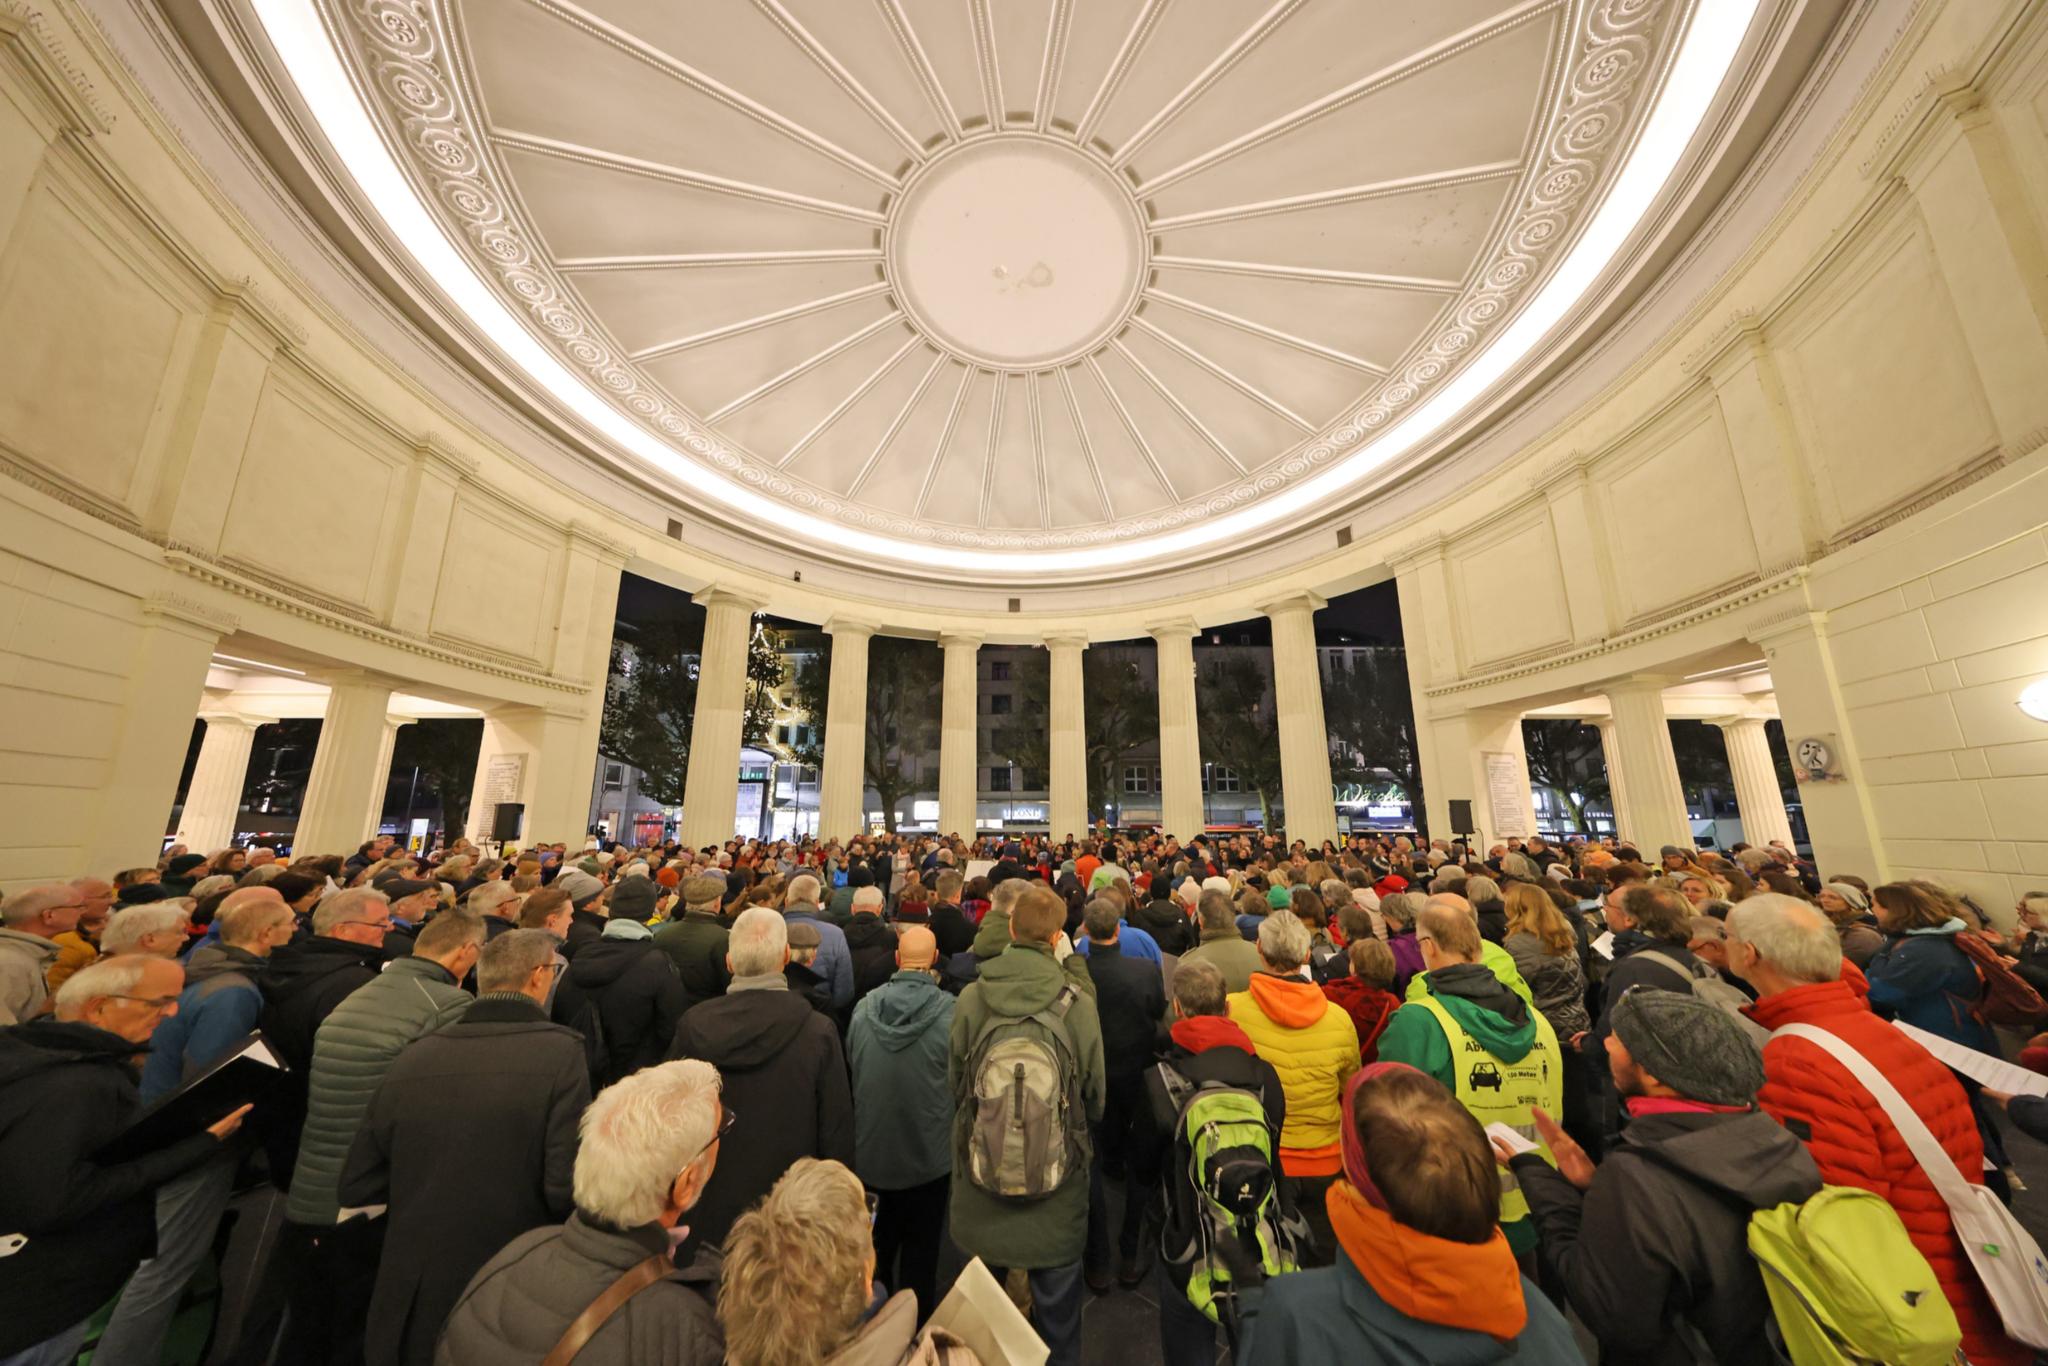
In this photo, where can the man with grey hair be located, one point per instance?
(156, 930)
(650, 1145)
(29, 921)
(835, 960)
(1222, 946)
(67, 1088)
(497, 903)
(784, 1071)
(505, 1088)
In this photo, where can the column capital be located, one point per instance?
(723, 595)
(849, 627)
(1733, 721)
(1183, 628)
(1067, 640)
(228, 716)
(357, 678)
(965, 640)
(1302, 601)
(1635, 685)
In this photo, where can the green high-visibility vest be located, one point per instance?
(1492, 1089)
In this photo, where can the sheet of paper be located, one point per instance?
(1995, 1073)
(258, 1051)
(1604, 945)
(980, 1314)
(1512, 1137)
(349, 1212)
(978, 867)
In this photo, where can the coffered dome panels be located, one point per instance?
(1011, 273)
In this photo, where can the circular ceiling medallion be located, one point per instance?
(1016, 252)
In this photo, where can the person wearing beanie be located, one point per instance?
(1847, 908)
(695, 941)
(633, 898)
(1651, 1247)
(587, 896)
(181, 873)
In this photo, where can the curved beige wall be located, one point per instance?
(1833, 451)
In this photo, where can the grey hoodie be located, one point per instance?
(902, 1132)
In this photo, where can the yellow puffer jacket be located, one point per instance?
(1313, 1045)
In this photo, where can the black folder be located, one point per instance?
(249, 1073)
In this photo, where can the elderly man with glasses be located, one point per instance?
(30, 922)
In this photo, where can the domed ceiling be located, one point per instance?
(1011, 286)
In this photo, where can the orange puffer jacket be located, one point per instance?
(1854, 1144)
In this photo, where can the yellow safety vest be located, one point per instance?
(1492, 1090)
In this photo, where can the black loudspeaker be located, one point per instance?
(506, 820)
(1461, 817)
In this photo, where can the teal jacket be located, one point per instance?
(897, 1044)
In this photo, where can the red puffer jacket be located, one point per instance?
(1854, 1144)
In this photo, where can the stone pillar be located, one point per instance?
(1470, 745)
(711, 789)
(1655, 813)
(214, 798)
(1610, 756)
(1841, 823)
(1068, 745)
(959, 736)
(1304, 738)
(537, 757)
(351, 766)
(166, 678)
(842, 786)
(1180, 737)
(1757, 795)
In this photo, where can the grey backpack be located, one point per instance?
(1026, 1123)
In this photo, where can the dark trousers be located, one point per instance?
(910, 1227)
(1116, 1157)
(1308, 1199)
(328, 1273)
(1055, 1309)
(1186, 1336)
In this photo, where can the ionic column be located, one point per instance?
(1068, 742)
(1304, 738)
(214, 798)
(351, 766)
(1180, 739)
(1654, 812)
(1757, 795)
(842, 786)
(959, 742)
(711, 788)
(1610, 758)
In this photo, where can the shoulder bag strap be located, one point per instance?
(600, 1310)
(1926, 1149)
(1666, 960)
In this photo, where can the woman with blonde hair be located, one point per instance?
(1546, 951)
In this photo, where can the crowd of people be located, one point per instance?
(1387, 1100)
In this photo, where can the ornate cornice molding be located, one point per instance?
(1744, 325)
(1951, 85)
(26, 45)
(253, 300)
(191, 611)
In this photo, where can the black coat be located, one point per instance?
(696, 944)
(1161, 918)
(1130, 998)
(639, 999)
(585, 928)
(951, 927)
(471, 1140)
(873, 946)
(302, 984)
(1662, 1235)
(784, 1079)
(65, 1090)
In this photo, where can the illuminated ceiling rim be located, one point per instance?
(1713, 37)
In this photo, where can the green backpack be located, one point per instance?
(1848, 1286)
(1224, 1181)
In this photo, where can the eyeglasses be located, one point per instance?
(725, 1123)
(156, 1004)
(373, 924)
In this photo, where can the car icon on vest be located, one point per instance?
(1484, 1074)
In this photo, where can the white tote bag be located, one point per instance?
(2008, 1260)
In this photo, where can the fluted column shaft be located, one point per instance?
(1304, 738)
(1610, 759)
(842, 787)
(1069, 739)
(959, 739)
(214, 798)
(351, 767)
(1757, 795)
(1654, 814)
(1180, 739)
(711, 788)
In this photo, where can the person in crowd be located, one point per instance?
(1206, 1048)
(634, 898)
(156, 930)
(801, 971)
(30, 922)
(1423, 1273)
(2028, 946)
(1130, 1002)
(470, 1140)
(696, 940)
(1788, 951)
(1920, 976)
(648, 1147)
(586, 893)
(1313, 1045)
(835, 960)
(67, 1088)
(498, 903)
(634, 989)
(1545, 949)
(797, 1285)
(1488, 907)
(1652, 1246)
(950, 925)
(1365, 992)
(79, 946)
(181, 874)
(1045, 1236)
(903, 1123)
(333, 1260)
(1221, 946)
(1398, 910)
(1480, 1040)
(781, 1066)
(870, 942)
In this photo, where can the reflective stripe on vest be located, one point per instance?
(1493, 1090)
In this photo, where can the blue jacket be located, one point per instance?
(903, 1120)
(217, 1010)
(1924, 980)
(1136, 943)
(835, 960)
